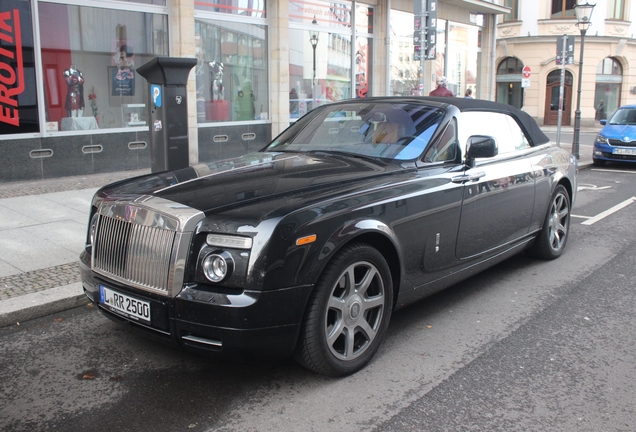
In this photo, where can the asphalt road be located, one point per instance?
(527, 345)
(586, 141)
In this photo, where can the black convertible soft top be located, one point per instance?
(525, 121)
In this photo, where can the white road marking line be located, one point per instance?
(614, 171)
(608, 212)
(581, 217)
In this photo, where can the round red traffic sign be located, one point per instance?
(526, 72)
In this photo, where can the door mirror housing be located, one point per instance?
(480, 146)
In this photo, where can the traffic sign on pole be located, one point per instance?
(527, 71)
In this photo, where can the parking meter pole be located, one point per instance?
(167, 81)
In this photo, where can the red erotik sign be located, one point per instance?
(11, 80)
(527, 72)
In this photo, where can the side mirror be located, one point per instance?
(480, 146)
(603, 122)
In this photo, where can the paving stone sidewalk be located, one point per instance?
(61, 275)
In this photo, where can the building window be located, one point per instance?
(563, 9)
(609, 79)
(514, 9)
(510, 65)
(616, 9)
(509, 74)
(89, 60)
(231, 71)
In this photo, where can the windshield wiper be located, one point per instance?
(347, 154)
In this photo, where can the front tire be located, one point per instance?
(598, 162)
(550, 242)
(348, 313)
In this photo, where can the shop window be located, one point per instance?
(149, 2)
(509, 74)
(18, 90)
(563, 9)
(322, 73)
(322, 47)
(231, 71)
(404, 71)
(90, 76)
(246, 8)
(607, 95)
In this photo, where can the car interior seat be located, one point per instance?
(387, 133)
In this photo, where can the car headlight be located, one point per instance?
(229, 241)
(92, 229)
(601, 139)
(218, 266)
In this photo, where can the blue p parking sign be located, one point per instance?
(155, 92)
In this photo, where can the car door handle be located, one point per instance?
(468, 177)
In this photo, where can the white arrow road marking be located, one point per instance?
(591, 187)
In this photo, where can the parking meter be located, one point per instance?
(167, 81)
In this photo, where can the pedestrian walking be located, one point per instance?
(600, 111)
(441, 90)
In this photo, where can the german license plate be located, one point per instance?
(125, 305)
(623, 151)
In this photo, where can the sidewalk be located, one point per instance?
(42, 232)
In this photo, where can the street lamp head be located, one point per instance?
(583, 13)
(313, 34)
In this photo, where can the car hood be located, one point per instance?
(255, 177)
(619, 132)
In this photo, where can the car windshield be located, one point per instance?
(394, 131)
(624, 116)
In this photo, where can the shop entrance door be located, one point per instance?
(553, 83)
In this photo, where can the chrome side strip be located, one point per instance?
(203, 341)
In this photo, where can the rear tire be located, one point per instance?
(550, 242)
(348, 313)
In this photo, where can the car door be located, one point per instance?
(431, 207)
(498, 195)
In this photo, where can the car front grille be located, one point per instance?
(133, 253)
(620, 143)
(144, 243)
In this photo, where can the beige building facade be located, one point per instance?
(527, 38)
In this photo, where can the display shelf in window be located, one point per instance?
(133, 115)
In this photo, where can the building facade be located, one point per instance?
(72, 102)
(529, 36)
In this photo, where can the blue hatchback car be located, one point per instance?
(616, 142)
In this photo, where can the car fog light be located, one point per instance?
(217, 267)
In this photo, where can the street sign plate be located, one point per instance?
(527, 72)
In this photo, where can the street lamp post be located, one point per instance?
(313, 39)
(583, 15)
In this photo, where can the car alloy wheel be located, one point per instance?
(551, 241)
(348, 313)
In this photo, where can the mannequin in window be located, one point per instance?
(216, 70)
(74, 92)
